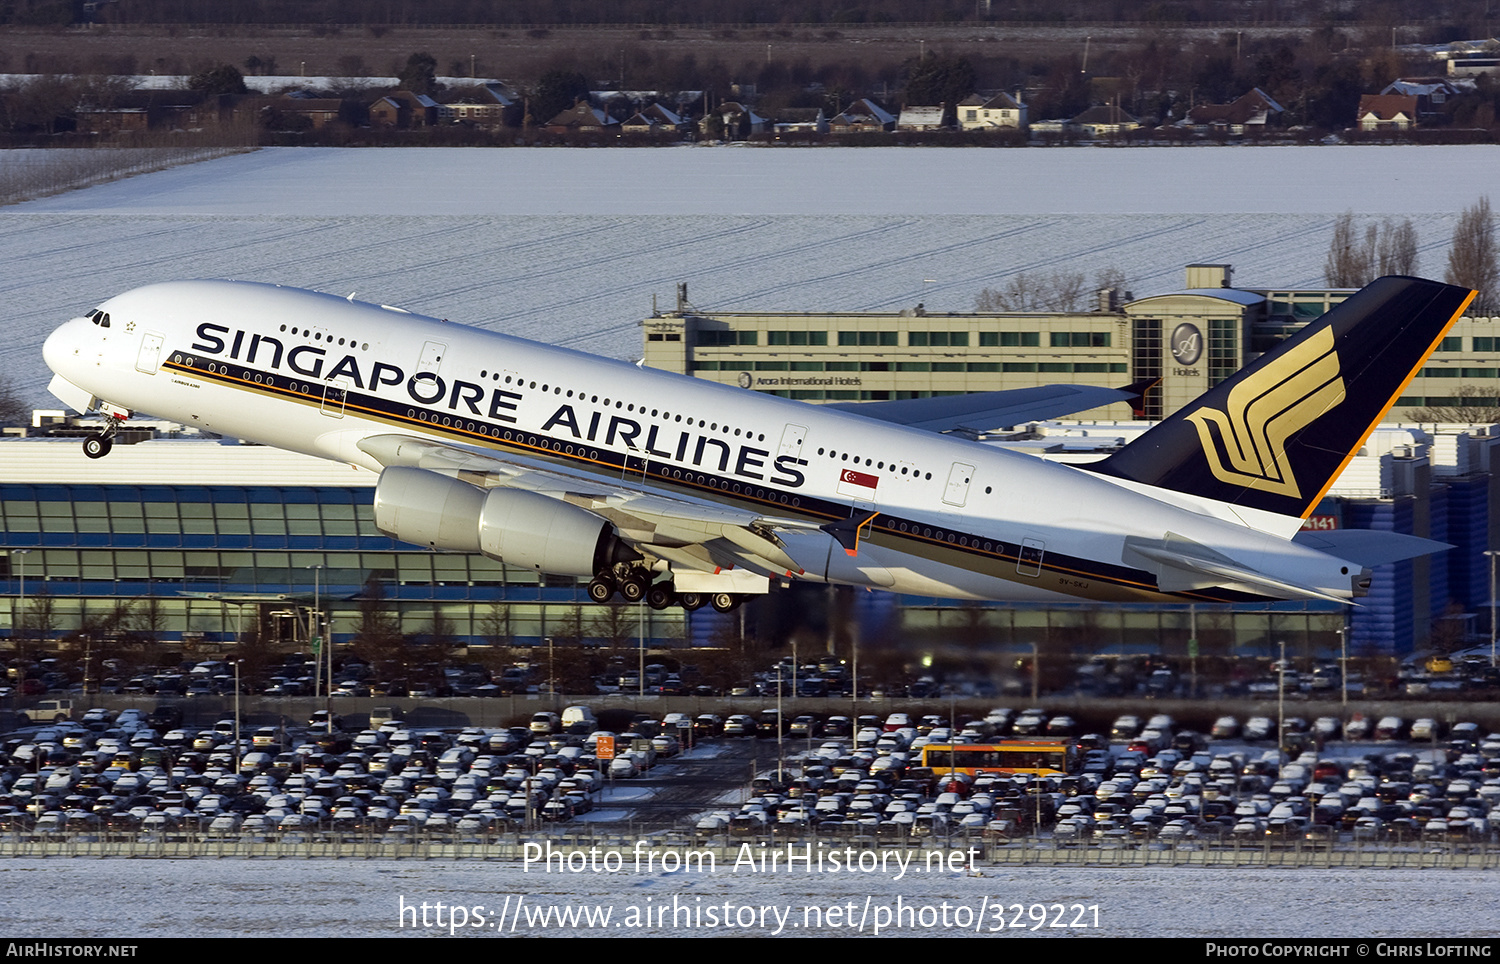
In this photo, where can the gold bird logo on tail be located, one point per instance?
(1246, 445)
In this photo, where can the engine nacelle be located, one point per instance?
(522, 529)
(544, 534)
(427, 509)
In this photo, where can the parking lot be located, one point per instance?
(1142, 788)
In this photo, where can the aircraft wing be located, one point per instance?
(692, 533)
(983, 411)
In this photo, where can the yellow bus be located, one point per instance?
(1038, 757)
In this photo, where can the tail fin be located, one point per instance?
(1276, 434)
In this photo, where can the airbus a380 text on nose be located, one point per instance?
(680, 491)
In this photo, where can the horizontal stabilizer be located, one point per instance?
(1182, 565)
(1369, 547)
(982, 411)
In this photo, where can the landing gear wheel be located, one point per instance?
(633, 589)
(724, 601)
(691, 600)
(97, 446)
(660, 597)
(600, 590)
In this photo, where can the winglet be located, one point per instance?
(846, 531)
(1137, 391)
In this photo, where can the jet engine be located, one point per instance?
(520, 528)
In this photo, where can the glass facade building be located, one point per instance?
(201, 561)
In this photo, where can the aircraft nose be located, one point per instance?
(64, 347)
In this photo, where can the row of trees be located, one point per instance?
(1357, 256)
(400, 13)
(1386, 248)
(1059, 290)
(1317, 74)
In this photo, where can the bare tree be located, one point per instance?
(1472, 258)
(378, 642)
(13, 411)
(1067, 290)
(1349, 261)
(1474, 406)
(1055, 291)
(1398, 248)
(1111, 277)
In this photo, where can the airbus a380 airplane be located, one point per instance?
(677, 490)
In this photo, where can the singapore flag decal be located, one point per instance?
(857, 485)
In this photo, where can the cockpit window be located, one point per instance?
(99, 318)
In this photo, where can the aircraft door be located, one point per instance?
(432, 357)
(335, 394)
(957, 492)
(1029, 563)
(149, 358)
(792, 438)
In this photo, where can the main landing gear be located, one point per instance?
(634, 585)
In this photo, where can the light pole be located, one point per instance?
(322, 641)
(551, 675)
(1344, 670)
(20, 621)
(1492, 553)
(237, 748)
(780, 728)
(1281, 699)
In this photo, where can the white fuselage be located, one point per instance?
(317, 374)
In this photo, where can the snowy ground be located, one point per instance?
(570, 246)
(231, 898)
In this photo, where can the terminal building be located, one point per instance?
(1190, 340)
(196, 541)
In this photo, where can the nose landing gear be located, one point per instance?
(97, 446)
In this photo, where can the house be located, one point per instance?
(481, 106)
(1387, 112)
(739, 121)
(1251, 112)
(655, 119)
(582, 117)
(1105, 120)
(318, 112)
(921, 119)
(1432, 93)
(860, 116)
(801, 121)
(1000, 112)
(112, 120)
(404, 109)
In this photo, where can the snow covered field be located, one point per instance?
(569, 246)
(245, 898)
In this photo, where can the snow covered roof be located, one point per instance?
(921, 117)
(1234, 295)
